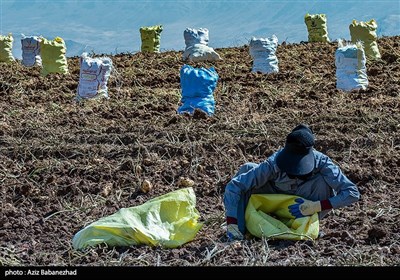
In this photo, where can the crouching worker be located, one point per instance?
(297, 169)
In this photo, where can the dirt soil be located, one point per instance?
(64, 165)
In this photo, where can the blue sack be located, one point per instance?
(197, 85)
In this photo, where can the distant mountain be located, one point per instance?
(76, 49)
(113, 26)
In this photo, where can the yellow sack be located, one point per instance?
(268, 215)
(317, 27)
(6, 43)
(169, 220)
(151, 38)
(53, 56)
(366, 32)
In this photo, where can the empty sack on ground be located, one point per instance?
(169, 220)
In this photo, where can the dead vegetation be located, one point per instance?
(64, 165)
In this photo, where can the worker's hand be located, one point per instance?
(233, 232)
(304, 207)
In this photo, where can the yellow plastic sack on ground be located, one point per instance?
(169, 220)
(53, 56)
(268, 215)
(317, 27)
(151, 38)
(6, 43)
(366, 32)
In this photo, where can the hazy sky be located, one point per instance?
(113, 26)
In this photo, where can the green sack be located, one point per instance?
(6, 43)
(53, 55)
(169, 220)
(317, 27)
(268, 215)
(366, 33)
(151, 38)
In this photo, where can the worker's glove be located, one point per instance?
(233, 232)
(304, 207)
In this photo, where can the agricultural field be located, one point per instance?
(65, 164)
